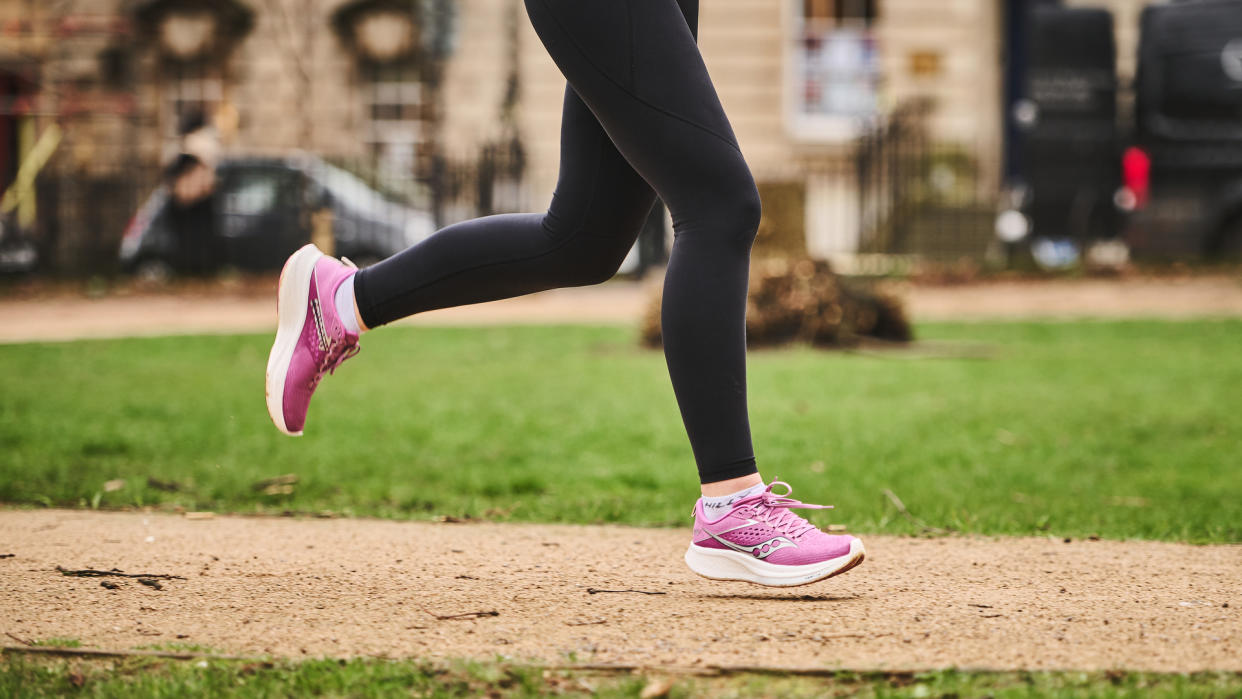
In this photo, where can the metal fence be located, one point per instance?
(81, 219)
(913, 197)
(921, 197)
(891, 195)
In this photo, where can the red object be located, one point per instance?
(1136, 174)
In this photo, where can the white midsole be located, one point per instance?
(291, 299)
(724, 564)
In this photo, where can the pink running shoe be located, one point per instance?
(763, 542)
(311, 340)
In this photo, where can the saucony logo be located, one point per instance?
(773, 545)
(317, 312)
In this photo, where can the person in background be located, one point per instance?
(191, 181)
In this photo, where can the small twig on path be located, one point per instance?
(835, 636)
(497, 512)
(19, 640)
(151, 583)
(115, 573)
(8, 555)
(990, 616)
(592, 591)
(981, 606)
(901, 508)
(586, 623)
(98, 653)
(464, 615)
(715, 670)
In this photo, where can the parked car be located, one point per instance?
(1061, 199)
(260, 211)
(1183, 175)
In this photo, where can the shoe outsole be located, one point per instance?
(293, 293)
(851, 560)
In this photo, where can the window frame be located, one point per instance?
(400, 84)
(182, 83)
(802, 124)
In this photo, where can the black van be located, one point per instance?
(1063, 140)
(1183, 177)
(1071, 142)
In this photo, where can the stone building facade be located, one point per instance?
(395, 86)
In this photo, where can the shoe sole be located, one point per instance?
(292, 295)
(722, 564)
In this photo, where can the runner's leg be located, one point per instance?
(596, 213)
(636, 66)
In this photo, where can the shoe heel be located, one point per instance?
(292, 296)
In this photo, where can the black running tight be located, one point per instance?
(641, 117)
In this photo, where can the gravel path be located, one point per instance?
(367, 587)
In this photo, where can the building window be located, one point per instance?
(193, 40)
(189, 90)
(396, 109)
(834, 71)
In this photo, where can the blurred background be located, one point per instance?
(185, 137)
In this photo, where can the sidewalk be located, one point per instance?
(1145, 297)
(69, 317)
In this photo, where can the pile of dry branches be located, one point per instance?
(804, 301)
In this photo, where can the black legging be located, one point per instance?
(640, 114)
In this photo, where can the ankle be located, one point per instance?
(347, 306)
(728, 487)
(716, 507)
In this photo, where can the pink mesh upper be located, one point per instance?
(763, 526)
(315, 356)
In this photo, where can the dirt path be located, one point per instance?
(1139, 297)
(251, 309)
(367, 587)
(75, 317)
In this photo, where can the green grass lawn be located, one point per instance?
(1119, 429)
(42, 677)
